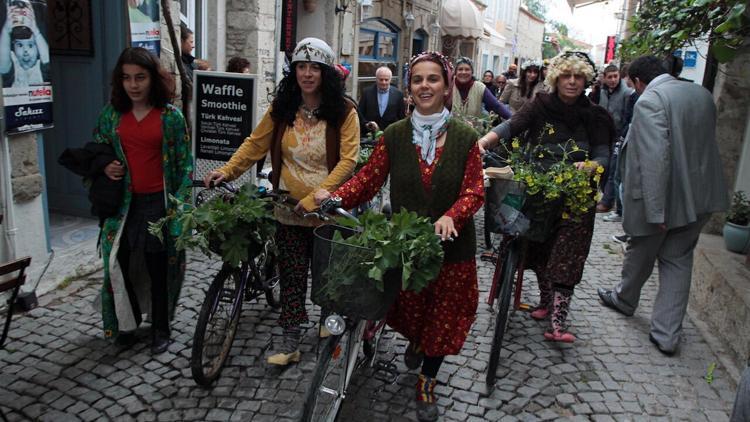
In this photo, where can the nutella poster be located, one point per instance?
(25, 66)
(145, 27)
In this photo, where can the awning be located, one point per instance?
(460, 18)
(582, 3)
(495, 37)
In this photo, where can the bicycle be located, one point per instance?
(353, 328)
(506, 199)
(220, 312)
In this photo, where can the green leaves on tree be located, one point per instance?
(663, 26)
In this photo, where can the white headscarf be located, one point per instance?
(427, 129)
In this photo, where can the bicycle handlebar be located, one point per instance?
(221, 185)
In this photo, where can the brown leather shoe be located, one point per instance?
(602, 207)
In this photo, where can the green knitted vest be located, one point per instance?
(408, 192)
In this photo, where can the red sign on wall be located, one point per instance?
(609, 55)
(288, 26)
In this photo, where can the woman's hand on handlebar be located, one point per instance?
(213, 178)
(445, 228)
(486, 142)
(372, 126)
(321, 195)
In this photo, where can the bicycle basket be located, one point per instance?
(543, 215)
(340, 281)
(505, 199)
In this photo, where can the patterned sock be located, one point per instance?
(426, 389)
(545, 292)
(560, 305)
(292, 336)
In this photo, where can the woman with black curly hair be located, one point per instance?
(312, 132)
(522, 90)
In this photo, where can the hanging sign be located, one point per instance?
(288, 38)
(611, 49)
(25, 66)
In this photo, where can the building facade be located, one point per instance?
(530, 36)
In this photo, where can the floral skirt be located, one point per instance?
(560, 259)
(440, 316)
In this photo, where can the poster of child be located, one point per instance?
(145, 28)
(24, 53)
(25, 65)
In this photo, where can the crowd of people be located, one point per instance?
(653, 133)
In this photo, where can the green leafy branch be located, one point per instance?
(663, 26)
(228, 225)
(406, 242)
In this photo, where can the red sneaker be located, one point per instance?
(561, 336)
(540, 313)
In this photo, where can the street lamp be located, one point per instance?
(409, 19)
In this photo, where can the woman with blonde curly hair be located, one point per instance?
(552, 120)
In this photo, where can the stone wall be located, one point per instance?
(25, 176)
(732, 96)
(251, 27)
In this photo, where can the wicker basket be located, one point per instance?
(355, 297)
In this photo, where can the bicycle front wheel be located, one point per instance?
(217, 325)
(335, 365)
(507, 272)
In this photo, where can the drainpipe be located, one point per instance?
(9, 223)
(221, 33)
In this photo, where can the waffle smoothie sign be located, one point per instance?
(224, 113)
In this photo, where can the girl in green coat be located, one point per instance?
(150, 139)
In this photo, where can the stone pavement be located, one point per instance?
(57, 367)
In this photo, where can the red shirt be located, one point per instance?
(142, 142)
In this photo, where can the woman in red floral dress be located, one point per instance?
(436, 171)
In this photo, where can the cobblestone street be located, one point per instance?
(57, 366)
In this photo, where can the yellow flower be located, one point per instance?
(515, 144)
(600, 169)
(550, 130)
(575, 148)
(540, 155)
(565, 215)
(558, 179)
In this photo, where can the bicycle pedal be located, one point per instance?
(488, 257)
(525, 307)
(386, 372)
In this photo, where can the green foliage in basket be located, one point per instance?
(234, 223)
(561, 180)
(407, 241)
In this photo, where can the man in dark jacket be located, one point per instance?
(381, 104)
(614, 96)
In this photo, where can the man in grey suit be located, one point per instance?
(672, 182)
